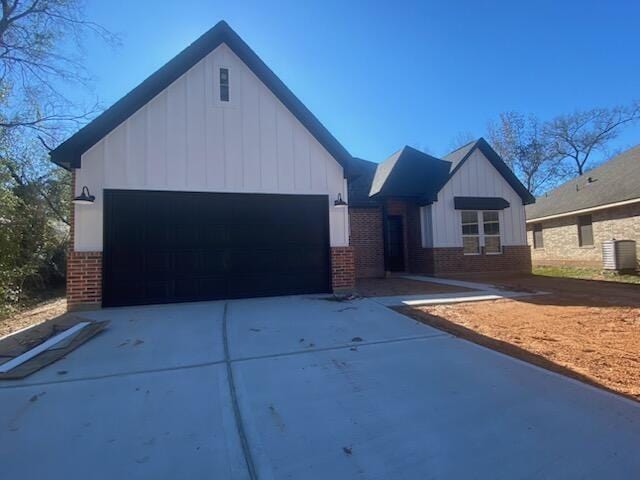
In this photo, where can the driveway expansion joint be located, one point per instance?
(110, 375)
(251, 469)
(342, 347)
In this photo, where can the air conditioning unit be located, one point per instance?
(619, 255)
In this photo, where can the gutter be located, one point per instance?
(584, 210)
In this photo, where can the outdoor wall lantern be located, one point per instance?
(85, 198)
(340, 202)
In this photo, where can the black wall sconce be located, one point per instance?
(85, 198)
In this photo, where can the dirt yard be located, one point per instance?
(32, 316)
(589, 330)
(382, 287)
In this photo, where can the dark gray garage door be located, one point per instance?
(163, 247)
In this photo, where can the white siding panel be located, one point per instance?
(284, 137)
(176, 135)
(156, 165)
(185, 139)
(196, 147)
(477, 177)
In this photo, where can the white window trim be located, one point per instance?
(481, 235)
(478, 235)
(484, 235)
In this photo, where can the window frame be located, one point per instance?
(481, 235)
(492, 235)
(213, 78)
(475, 235)
(226, 84)
(538, 228)
(579, 225)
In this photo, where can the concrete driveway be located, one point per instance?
(303, 388)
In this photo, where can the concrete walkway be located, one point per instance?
(478, 292)
(304, 387)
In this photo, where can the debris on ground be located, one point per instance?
(29, 350)
(356, 339)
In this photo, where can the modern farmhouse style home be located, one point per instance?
(211, 180)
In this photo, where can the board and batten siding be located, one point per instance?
(184, 139)
(476, 178)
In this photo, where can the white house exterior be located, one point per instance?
(212, 180)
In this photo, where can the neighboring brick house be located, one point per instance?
(416, 213)
(567, 225)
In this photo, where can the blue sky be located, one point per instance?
(417, 73)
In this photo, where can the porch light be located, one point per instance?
(340, 202)
(85, 198)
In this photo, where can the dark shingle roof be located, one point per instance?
(361, 173)
(460, 155)
(614, 181)
(410, 173)
(68, 154)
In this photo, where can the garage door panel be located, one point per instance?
(183, 246)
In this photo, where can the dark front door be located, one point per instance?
(394, 258)
(164, 247)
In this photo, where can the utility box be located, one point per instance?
(619, 255)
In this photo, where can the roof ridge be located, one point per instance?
(463, 146)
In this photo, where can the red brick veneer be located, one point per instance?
(84, 269)
(443, 261)
(343, 276)
(84, 279)
(367, 242)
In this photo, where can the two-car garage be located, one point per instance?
(162, 246)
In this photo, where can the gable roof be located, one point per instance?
(68, 154)
(410, 173)
(616, 180)
(461, 154)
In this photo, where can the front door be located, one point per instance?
(394, 257)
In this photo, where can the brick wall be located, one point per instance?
(514, 258)
(367, 241)
(560, 237)
(343, 276)
(84, 270)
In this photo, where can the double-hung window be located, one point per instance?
(491, 232)
(470, 233)
(481, 229)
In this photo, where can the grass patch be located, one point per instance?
(585, 273)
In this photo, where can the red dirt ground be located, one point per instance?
(589, 330)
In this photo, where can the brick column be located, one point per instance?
(343, 272)
(84, 269)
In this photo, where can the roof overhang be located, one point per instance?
(584, 210)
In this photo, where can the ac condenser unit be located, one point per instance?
(619, 255)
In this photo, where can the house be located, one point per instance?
(567, 225)
(211, 180)
(417, 213)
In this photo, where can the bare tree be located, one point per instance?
(522, 142)
(41, 51)
(460, 139)
(576, 136)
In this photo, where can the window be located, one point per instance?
(470, 233)
(538, 240)
(491, 230)
(473, 237)
(585, 231)
(224, 84)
